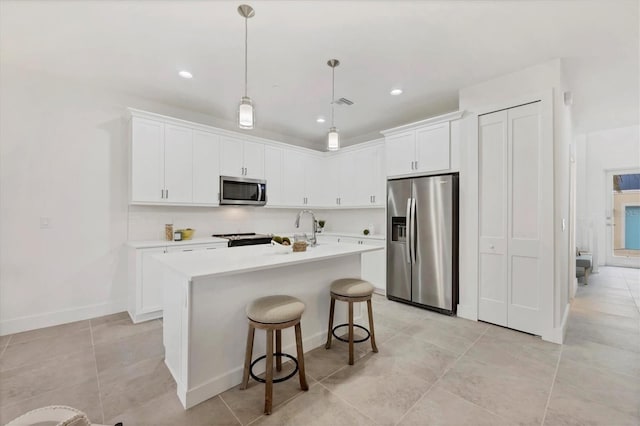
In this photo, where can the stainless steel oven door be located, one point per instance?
(242, 191)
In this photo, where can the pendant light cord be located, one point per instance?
(333, 90)
(246, 36)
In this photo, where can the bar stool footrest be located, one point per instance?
(279, 380)
(364, 339)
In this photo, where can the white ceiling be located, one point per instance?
(429, 48)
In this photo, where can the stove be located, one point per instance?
(248, 239)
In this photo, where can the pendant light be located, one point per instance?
(333, 138)
(246, 113)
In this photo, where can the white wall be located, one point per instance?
(63, 156)
(597, 153)
(498, 92)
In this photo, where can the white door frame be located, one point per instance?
(471, 220)
(610, 259)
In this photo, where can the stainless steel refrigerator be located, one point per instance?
(422, 241)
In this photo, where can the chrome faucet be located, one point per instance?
(313, 240)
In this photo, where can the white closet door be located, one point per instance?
(492, 189)
(528, 203)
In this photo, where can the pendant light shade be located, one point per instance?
(246, 117)
(333, 137)
(246, 114)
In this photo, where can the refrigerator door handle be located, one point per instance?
(407, 237)
(413, 230)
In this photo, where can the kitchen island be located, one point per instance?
(205, 295)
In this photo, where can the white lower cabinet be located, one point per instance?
(373, 266)
(145, 286)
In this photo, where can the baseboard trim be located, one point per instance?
(145, 317)
(556, 334)
(467, 312)
(380, 291)
(48, 319)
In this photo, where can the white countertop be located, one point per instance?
(354, 235)
(334, 234)
(165, 243)
(214, 240)
(236, 260)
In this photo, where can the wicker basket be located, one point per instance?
(300, 246)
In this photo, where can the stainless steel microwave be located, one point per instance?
(242, 191)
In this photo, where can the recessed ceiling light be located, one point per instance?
(396, 92)
(320, 120)
(185, 74)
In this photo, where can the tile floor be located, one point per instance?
(431, 369)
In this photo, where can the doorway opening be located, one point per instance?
(623, 219)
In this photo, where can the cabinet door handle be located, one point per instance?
(416, 165)
(374, 199)
(162, 193)
(166, 191)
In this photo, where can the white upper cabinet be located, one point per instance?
(433, 148)
(303, 179)
(173, 164)
(206, 168)
(400, 151)
(293, 178)
(241, 158)
(429, 146)
(147, 161)
(331, 181)
(254, 160)
(178, 164)
(231, 161)
(355, 178)
(273, 172)
(314, 181)
(161, 163)
(372, 181)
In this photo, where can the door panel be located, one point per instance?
(147, 160)
(400, 152)
(206, 168)
(293, 172)
(254, 160)
(178, 164)
(273, 175)
(313, 182)
(492, 244)
(230, 156)
(526, 209)
(524, 133)
(492, 291)
(433, 148)
(398, 266)
(151, 280)
(432, 278)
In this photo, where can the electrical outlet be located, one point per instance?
(45, 222)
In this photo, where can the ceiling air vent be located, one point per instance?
(344, 101)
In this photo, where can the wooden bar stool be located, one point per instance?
(351, 290)
(274, 313)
